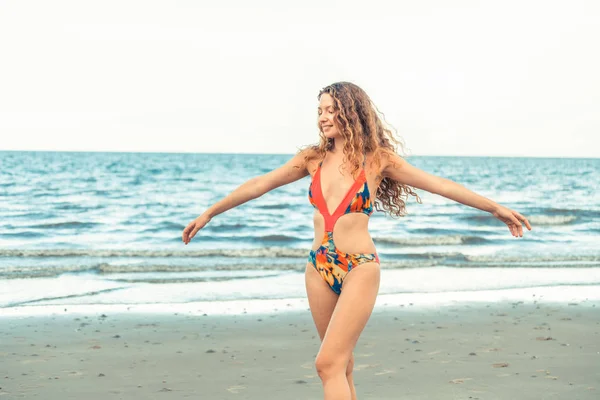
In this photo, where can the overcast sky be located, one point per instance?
(511, 78)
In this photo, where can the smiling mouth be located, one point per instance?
(326, 126)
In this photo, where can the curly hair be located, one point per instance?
(358, 122)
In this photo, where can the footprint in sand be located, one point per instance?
(491, 349)
(33, 360)
(460, 380)
(360, 367)
(236, 389)
(364, 355)
(385, 372)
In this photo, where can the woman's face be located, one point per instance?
(327, 113)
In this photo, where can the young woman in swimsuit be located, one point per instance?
(354, 168)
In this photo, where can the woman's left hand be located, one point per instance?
(513, 219)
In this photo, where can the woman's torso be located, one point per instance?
(350, 231)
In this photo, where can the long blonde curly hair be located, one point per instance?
(357, 120)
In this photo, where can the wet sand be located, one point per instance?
(471, 351)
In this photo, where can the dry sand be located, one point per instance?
(476, 351)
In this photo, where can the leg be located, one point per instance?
(350, 377)
(322, 301)
(351, 313)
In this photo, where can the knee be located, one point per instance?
(329, 366)
(350, 365)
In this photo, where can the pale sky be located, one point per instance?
(508, 78)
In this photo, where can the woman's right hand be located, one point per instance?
(193, 227)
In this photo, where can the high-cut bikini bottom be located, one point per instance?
(334, 265)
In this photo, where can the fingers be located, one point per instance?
(518, 227)
(513, 229)
(190, 231)
(516, 219)
(187, 236)
(522, 218)
(514, 223)
(184, 235)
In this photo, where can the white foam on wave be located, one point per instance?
(429, 240)
(551, 219)
(258, 252)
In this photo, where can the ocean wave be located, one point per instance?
(190, 279)
(407, 264)
(534, 259)
(175, 274)
(235, 270)
(571, 211)
(277, 238)
(66, 225)
(531, 264)
(446, 240)
(74, 206)
(23, 234)
(446, 231)
(107, 268)
(25, 272)
(225, 227)
(259, 252)
(551, 219)
(69, 296)
(537, 219)
(277, 206)
(36, 271)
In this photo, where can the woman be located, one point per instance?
(353, 166)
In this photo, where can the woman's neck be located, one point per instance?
(338, 144)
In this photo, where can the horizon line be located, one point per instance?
(286, 154)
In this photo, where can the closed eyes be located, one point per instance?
(330, 112)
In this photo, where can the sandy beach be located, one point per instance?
(469, 351)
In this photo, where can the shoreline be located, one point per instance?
(588, 295)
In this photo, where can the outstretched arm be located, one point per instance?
(253, 188)
(400, 170)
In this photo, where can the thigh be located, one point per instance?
(352, 311)
(321, 299)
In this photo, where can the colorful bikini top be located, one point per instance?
(356, 200)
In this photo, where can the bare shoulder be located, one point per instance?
(311, 151)
(309, 157)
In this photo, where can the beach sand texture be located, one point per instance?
(470, 351)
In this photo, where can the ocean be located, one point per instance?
(101, 229)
